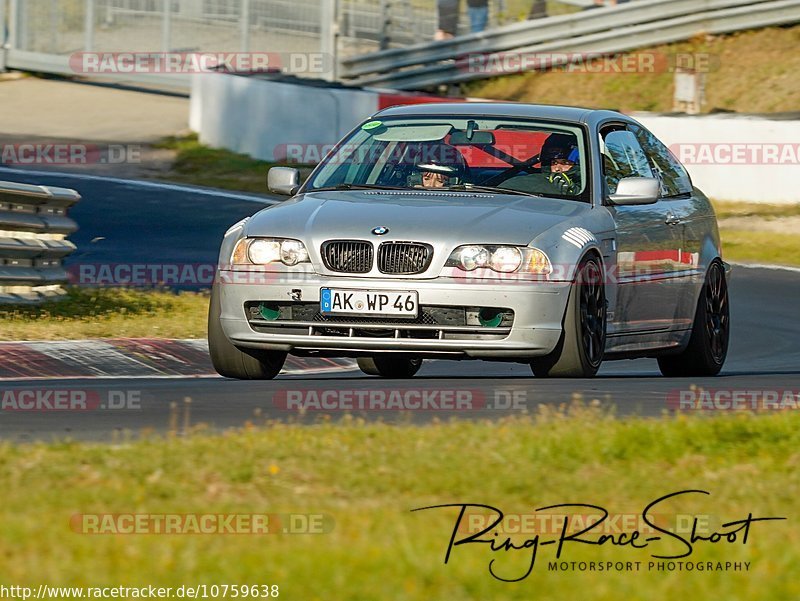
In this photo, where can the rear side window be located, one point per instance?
(675, 181)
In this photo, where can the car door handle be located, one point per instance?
(671, 219)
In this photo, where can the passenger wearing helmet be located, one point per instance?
(438, 165)
(560, 173)
(562, 162)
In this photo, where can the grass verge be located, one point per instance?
(755, 233)
(749, 71)
(201, 165)
(108, 313)
(760, 247)
(726, 209)
(365, 478)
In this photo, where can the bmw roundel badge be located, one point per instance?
(380, 230)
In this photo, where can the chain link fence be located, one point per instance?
(42, 35)
(62, 27)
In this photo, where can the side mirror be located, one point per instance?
(636, 191)
(283, 180)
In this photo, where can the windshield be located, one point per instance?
(507, 155)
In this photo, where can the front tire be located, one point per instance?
(580, 349)
(231, 362)
(389, 366)
(708, 345)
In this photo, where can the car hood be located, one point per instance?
(458, 217)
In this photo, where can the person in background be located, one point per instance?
(448, 19)
(478, 11)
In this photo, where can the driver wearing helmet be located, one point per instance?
(438, 166)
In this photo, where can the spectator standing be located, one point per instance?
(478, 11)
(448, 19)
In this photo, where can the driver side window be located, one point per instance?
(622, 156)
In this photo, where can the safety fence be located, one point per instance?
(33, 230)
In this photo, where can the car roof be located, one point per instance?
(503, 109)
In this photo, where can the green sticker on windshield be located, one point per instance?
(372, 125)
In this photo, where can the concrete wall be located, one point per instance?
(729, 157)
(734, 157)
(258, 117)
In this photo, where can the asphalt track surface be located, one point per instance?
(148, 224)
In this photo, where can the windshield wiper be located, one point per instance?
(479, 188)
(356, 187)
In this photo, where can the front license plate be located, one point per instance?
(337, 301)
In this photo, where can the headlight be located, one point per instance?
(472, 257)
(503, 259)
(506, 259)
(263, 251)
(293, 252)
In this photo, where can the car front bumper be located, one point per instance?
(538, 309)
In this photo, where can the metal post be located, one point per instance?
(54, 35)
(245, 24)
(88, 40)
(329, 32)
(15, 40)
(3, 35)
(383, 44)
(166, 26)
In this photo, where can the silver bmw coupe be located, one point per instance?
(552, 236)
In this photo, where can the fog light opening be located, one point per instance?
(269, 311)
(490, 318)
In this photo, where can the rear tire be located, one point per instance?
(389, 366)
(708, 346)
(579, 351)
(230, 361)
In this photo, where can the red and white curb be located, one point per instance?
(129, 358)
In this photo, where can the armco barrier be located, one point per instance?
(639, 24)
(33, 230)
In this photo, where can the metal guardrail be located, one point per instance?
(33, 230)
(636, 24)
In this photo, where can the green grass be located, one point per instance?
(750, 71)
(724, 209)
(201, 165)
(760, 247)
(754, 245)
(108, 313)
(367, 477)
